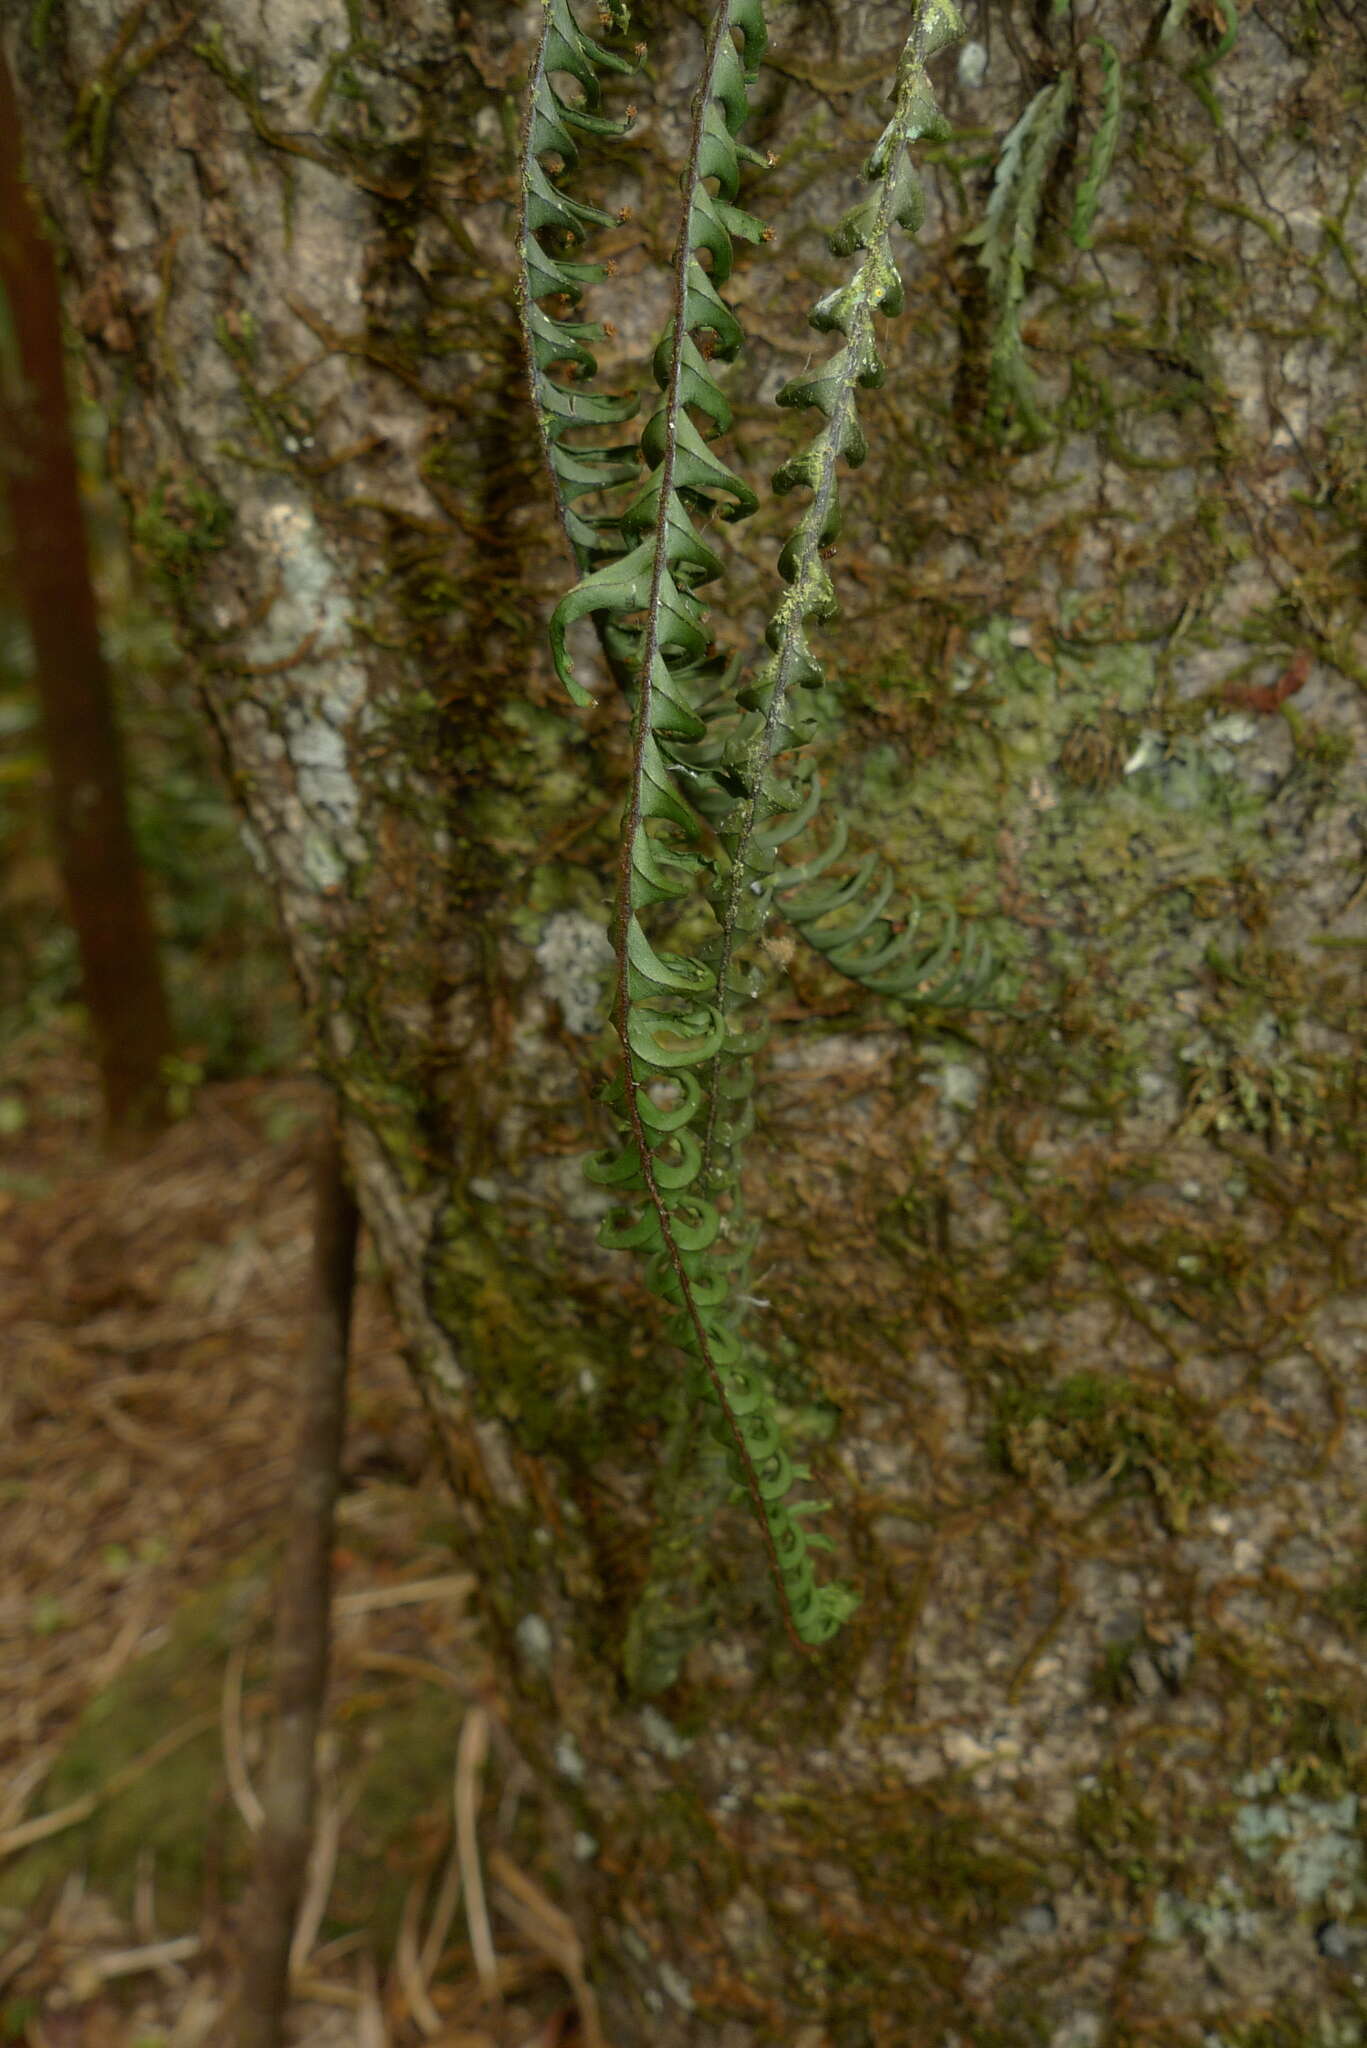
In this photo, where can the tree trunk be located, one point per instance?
(120, 972)
(1063, 1297)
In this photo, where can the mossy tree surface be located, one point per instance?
(1061, 1299)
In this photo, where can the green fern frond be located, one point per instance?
(1176, 14)
(920, 953)
(558, 342)
(1197, 74)
(1230, 13)
(776, 808)
(1102, 150)
(553, 277)
(1006, 236)
(667, 1011)
(701, 752)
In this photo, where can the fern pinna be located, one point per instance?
(721, 784)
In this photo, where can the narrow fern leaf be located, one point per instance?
(552, 278)
(775, 808)
(774, 811)
(667, 1012)
(688, 1028)
(644, 600)
(1102, 151)
(1007, 236)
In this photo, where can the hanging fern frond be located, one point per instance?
(661, 572)
(1102, 150)
(921, 953)
(576, 471)
(1007, 235)
(775, 807)
(1197, 74)
(553, 277)
(778, 806)
(667, 1014)
(703, 753)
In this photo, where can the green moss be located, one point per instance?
(566, 1365)
(932, 1850)
(1112, 1428)
(1108, 838)
(1291, 2028)
(936, 1880)
(430, 592)
(1347, 1601)
(1114, 1826)
(1324, 750)
(179, 525)
(538, 1360)
(39, 22)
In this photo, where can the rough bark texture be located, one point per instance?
(1066, 1297)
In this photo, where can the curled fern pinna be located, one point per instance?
(553, 276)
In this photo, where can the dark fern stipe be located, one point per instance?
(722, 782)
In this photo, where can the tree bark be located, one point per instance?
(1065, 1298)
(120, 971)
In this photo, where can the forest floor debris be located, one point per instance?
(152, 1313)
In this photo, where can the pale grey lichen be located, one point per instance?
(306, 629)
(662, 1736)
(1222, 1918)
(676, 1986)
(575, 958)
(1083, 2030)
(533, 1639)
(959, 1084)
(972, 66)
(1312, 1843)
(569, 1759)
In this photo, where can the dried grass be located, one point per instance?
(151, 1314)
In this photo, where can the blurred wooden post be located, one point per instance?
(120, 971)
(302, 1615)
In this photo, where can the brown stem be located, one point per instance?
(302, 1612)
(121, 976)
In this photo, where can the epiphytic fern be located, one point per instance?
(1102, 147)
(553, 276)
(707, 763)
(1006, 235)
(1197, 74)
(778, 806)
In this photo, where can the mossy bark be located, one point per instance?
(1064, 1297)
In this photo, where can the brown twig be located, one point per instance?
(302, 1614)
(472, 1752)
